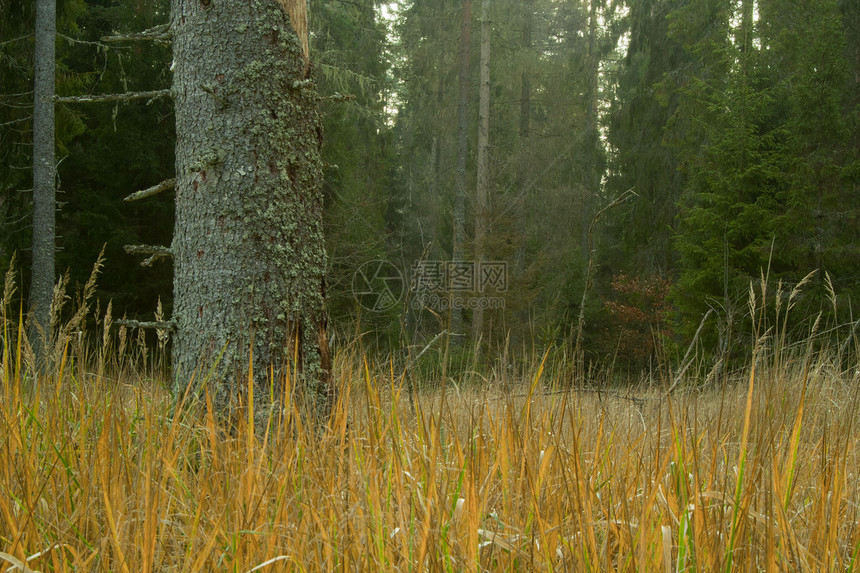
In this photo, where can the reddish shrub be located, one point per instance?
(637, 310)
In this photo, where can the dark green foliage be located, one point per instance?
(768, 160)
(638, 237)
(127, 146)
(17, 21)
(104, 151)
(349, 51)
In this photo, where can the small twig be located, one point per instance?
(211, 91)
(147, 262)
(338, 97)
(71, 40)
(148, 250)
(426, 348)
(128, 96)
(18, 39)
(165, 185)
(156, 252)
(19, 120)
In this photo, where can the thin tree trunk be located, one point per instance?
(459, 238)
(482, 194)
(44, 179)
(249, 258)
(525, 86)
(523, 170)
(592, 177)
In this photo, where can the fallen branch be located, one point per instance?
(128, 96)
(156, 33)
(149, 192)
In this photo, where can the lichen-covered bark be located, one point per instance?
(249, 257)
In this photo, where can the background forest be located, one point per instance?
(645, 160)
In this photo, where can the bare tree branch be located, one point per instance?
(128, 96)
(18, 39)
(156, 252)
(165, 185)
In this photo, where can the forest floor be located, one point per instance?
(102, 473)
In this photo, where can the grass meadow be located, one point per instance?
(506, 469)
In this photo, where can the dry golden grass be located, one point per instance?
(104, 474)
(99, 475)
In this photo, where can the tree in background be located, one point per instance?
(728, 152)
(431, 131)
(44, 177)
(816, 226)
(482, 191)
(29, 135)
(544, 158)
(638, 236)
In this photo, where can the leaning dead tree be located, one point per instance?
(248, 251)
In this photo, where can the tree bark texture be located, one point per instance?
(249, 258)
(44, 179)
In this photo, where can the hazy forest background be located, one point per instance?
(708, 142)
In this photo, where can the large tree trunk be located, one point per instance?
(44, 180)
(249, 258)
